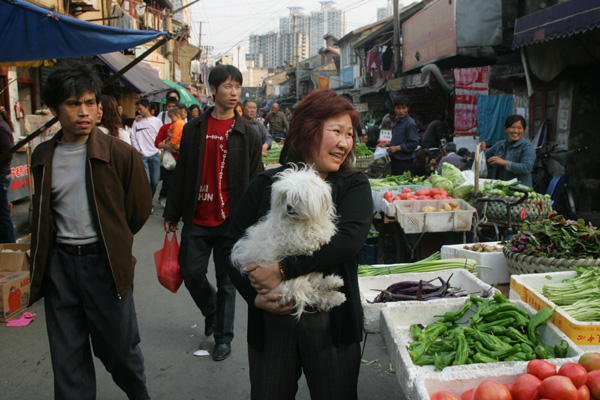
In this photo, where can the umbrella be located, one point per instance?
(186, 97)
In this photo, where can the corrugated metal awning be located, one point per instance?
(560, 20)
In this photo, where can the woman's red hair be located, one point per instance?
(305, 134)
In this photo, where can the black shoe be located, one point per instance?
(222, 351)
(209, 325)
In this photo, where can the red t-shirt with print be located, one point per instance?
(213, 200)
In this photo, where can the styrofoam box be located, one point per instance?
(395, 329)
(378, 191)
(368, 286)
(412, 220)
(528, 288)
(497, 261)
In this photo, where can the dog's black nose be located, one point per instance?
(291, 210)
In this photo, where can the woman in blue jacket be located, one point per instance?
(514, 157)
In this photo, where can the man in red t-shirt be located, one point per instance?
(219, 155)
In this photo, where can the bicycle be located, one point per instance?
(560, 189)
(507, 232)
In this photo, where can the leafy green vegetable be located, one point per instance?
(451, 172)
(464, 191)
(557, 237)
(361, 149)
(438, 181)
(394, 180)
(501, 188)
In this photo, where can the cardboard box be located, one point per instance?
(14, 257)
(496, 260)
(528, 288)
(395, 329)
(14, 294)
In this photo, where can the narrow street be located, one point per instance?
(171, 329)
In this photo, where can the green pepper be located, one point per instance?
(480, 358)
(505, 339)
(452, 316)
(497, 308)
(549, 350)
(438, 362)
(462, 350)
(420, 349)
(541, 352)
(481, 307)
(441, 345)
(500, 354)
(526, 347)
(498, 331)
(520, 320)
(561, 349)
(416, 332)
(500, 298)
(481, 349)
(501, 322)
(538, 319)
(424, 360)
(519, 356)
(518, 336)
(491, 342)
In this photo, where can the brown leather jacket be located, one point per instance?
(120, 202)
(244, 147)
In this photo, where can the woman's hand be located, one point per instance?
(497, 160)
(264, 277)
(268, 302)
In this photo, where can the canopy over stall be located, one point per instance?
(142, 78)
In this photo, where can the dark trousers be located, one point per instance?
(82, 303)
(7, 229)
(166, 176)
(401, 166)
(291, 347)
(197, 242)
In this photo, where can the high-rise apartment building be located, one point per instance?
(326, 20)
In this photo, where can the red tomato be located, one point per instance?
(590, 361)
(422, 197)
(444, 192)
(444, 396)
(583, 393)
(526, 387)
(396, 198)
(404, 196)
(435, 191)
(558, 387)
(540, 368)
(422, 192)
(490, 390)
(575, 372)
(438, 197)
(469, 394)
(388, 196)
(593, 383)
(407, 190)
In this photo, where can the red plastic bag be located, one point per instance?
(167, 265)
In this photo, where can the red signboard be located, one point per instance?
(429, 35)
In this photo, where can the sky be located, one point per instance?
(227, 24)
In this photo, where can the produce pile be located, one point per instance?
(450, 206)
(418, 290)
(361, 149)
(572, 381)
(502, 188)
(557, 237)
(580, 296)
(453, 181)
(395, 180)
(429, 264)
(421, 194)
(274, 153)
(483, 248)
(498, 331)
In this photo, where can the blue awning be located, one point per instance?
(560, 20)
(29, 33)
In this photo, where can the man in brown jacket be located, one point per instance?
(91, 197)
(277, 123)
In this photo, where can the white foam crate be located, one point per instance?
(412, 220)
(461, 278)
(395, 329)
(528, 288)
(496, 260)
(378, 191)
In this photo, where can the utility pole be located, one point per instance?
(397, 48)
(295, 57)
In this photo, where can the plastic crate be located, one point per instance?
(368, 253)
(378, 191)
(412, 220)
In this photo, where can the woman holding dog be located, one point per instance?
(323, 345)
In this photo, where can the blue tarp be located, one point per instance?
(563, 19)
(29, 33)
(491, 113)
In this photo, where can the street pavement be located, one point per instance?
(171, 329)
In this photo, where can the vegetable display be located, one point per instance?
(580, 296)
(572, 381)
(557, 237)
(483, 248)
(395, 180)
(429, 264)
(498, 331)
(502, 188)
(421, 194)
(361, 149)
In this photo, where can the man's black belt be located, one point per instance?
(82, 249)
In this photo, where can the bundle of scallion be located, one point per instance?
(429, 264)
(584, 310)
(584, 286)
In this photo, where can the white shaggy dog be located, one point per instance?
(301, 220)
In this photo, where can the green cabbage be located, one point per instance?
(464, 191)
(451, 172)
(438, 181)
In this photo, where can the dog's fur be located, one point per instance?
(301, 220)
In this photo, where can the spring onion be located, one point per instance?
(429, 264)
(584, 286)
(584, 310)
